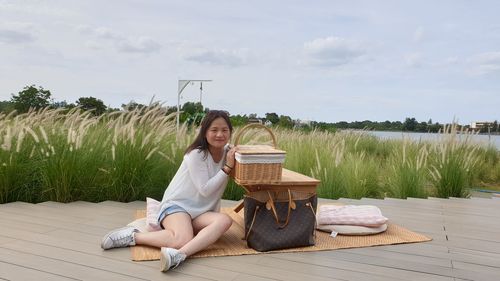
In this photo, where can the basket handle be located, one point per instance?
(255, 125)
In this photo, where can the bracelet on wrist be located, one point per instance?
(226, 165)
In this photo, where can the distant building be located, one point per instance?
(303, 122)
(255, 120)
(481, 124)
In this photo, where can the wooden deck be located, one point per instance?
(55, 241)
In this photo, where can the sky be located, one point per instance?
(324, 61)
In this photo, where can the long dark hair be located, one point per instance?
(201, 142)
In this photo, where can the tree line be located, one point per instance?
(33, 97)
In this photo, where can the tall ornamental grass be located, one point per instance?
(454, 163)
(72, 155)
(355, 164)
(328, 170)
(124, 156)
(359, 176)
(17, 169)
(407, 171)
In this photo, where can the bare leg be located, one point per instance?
(209, 227)
(178, 231)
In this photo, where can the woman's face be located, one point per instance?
(218, 133)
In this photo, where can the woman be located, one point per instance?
(189, 212)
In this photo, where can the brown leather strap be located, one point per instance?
(315, 221)
(270, 206)
(253, 220)
(270, 202)
(239, 207)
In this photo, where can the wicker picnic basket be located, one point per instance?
(258, 164)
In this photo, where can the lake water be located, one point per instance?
(483, 139)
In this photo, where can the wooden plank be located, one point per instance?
(478, 272)
(477, 259)
(115, 261)
(22, 225)
(15, 272)
(472, 233)
(118, 260)
(90, 227)
(475, 252)
(247, 277)
(427, 251)
(393, 261)
(41, 225)
(415, 266)
(75, 235)
(48, 240)
(481, 245)
(51, 234)
(60, 267)
(64, 212)
(421, 249)
(35, 212)
(5, 240)
(375, 253)
(228, 263)
(323, 271)
(451, 208)
(463, 202)
(73, 243)
(404, 206)
(323, 258)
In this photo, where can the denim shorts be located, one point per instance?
(170, 210)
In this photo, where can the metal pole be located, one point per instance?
(178, 105)
(201, 90)
(180, 87)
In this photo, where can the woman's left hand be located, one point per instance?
(230, 156)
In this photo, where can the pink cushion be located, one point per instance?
(364, 215)
(152, 210)
(344, 229)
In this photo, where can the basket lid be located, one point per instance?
(258, 149)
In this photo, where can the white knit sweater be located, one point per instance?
(197, 186)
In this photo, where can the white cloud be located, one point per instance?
(91, 44)
(40, 7)
(84, 29)
(106, 33)
(138, 45)
(485, 63)
(332, 51)
(100, 36)
(452, 60)
(13, 36)
(223, 57)
(414, 60)
(97, 47)
(16, 32)
(418, 35)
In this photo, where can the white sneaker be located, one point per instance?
(121, 237)
(170, 258)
